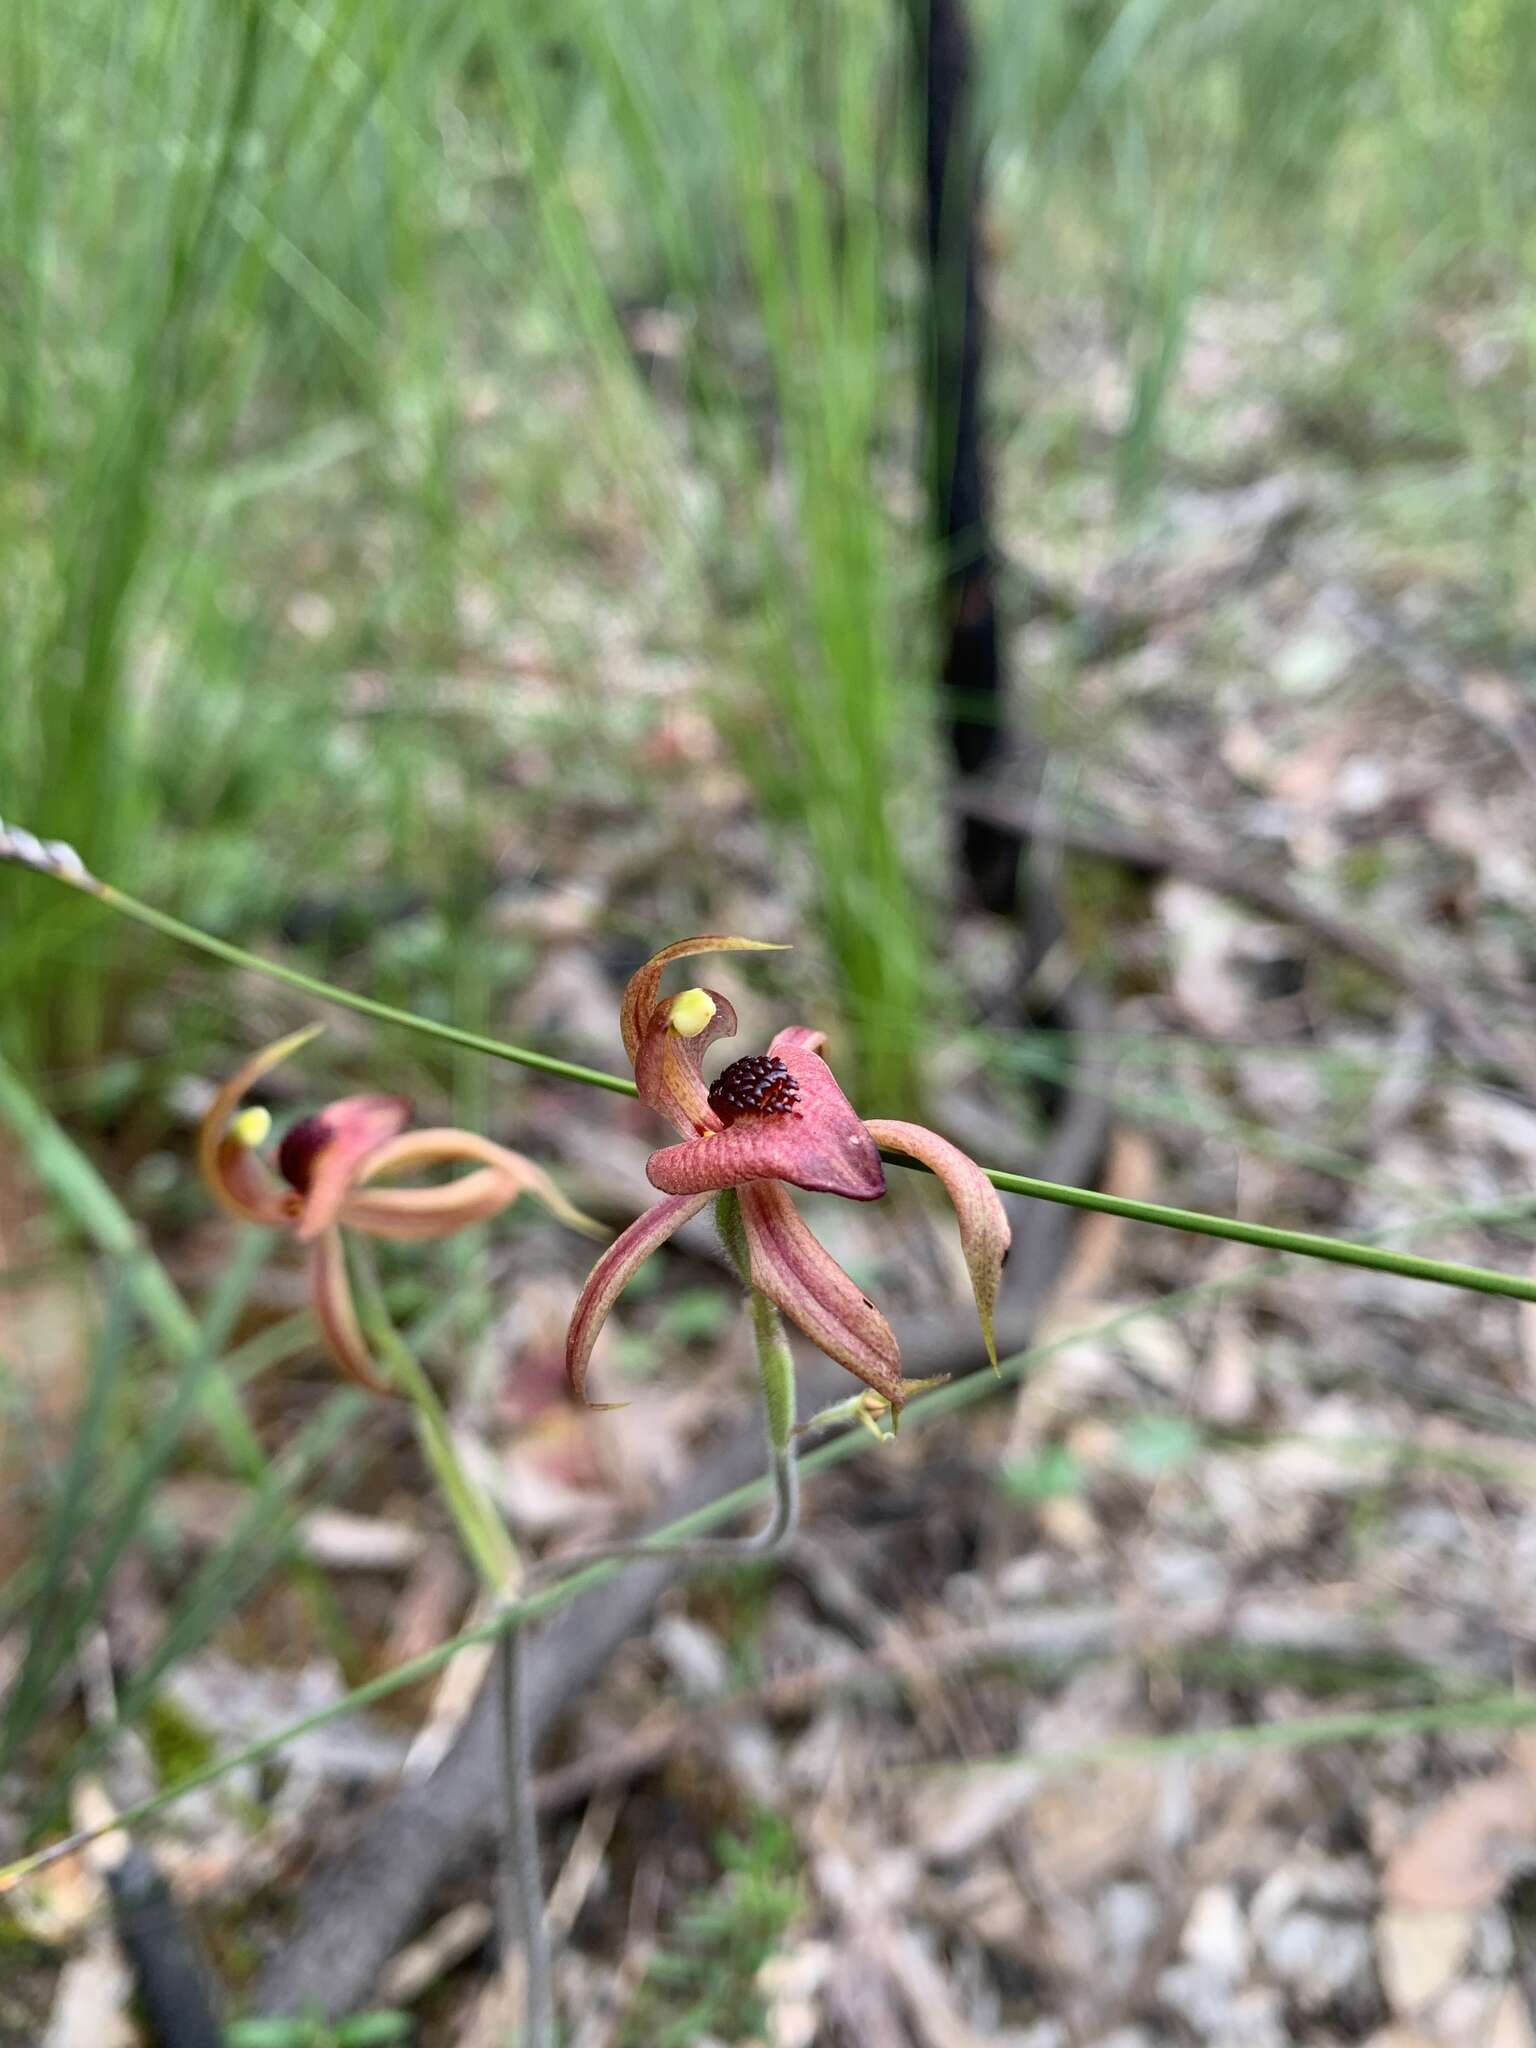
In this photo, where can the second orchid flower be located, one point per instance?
(328, 1170)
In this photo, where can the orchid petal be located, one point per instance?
(330, 1293)
(420, 1214)
(798, 1038)
(984, 1230)
(248, 1188)
(423, 1215)
(640, 996)
(820, 1145)
(323, 1156)
(238, 1180)
(667, 1065)
(611, 1275)
(800, 1276)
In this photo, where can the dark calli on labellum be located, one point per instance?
(758, 1085)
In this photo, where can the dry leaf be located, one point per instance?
(790, 1985)
(1419, 1953)
(1463, 1855)
(1084, 1826)
(1204, 935)
(1510, 2026)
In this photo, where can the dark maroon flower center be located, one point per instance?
(759, 1085)
(296, 1154)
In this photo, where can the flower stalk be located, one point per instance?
(775, 1362)
(482, 1532)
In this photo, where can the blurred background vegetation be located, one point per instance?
(377, 376)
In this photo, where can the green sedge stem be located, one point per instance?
(775, 1361)
(348, 999)
(481, 1530)
(1267, 1237)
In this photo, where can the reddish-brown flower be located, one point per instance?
(769, 1122)
(327, 1169)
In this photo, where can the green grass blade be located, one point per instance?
(54, 1630)
(86, 1199)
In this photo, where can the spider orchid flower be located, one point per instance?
(328, 1167)
(770, 1122)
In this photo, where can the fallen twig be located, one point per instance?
(1432, 672)
(1109, 627)
(1242, 882)
(1054, 1636)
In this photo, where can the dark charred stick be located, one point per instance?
(171, 1980)
(1240, 881)
(959, 493)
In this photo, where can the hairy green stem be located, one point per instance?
(776, 1374)
(1267, 1237)
(775, 1362)
(776, 1368)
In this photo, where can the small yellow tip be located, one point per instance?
(250, 1128)
(691, 1012)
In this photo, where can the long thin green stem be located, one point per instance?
(1304, 1244)
(1267, 1237)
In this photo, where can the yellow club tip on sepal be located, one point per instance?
(691, 1012)
(251, 1127)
